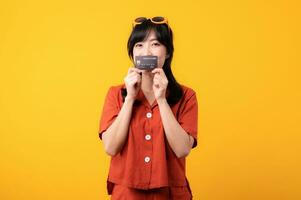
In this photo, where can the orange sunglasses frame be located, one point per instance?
(164, 21)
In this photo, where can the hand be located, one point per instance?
(160, 83)
(133, 82)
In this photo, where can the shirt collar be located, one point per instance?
(140, 98)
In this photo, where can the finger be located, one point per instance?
(136, 77)
(128, 79)
(160, 73)
(137, 70)
(157, 82)
(157, 70)
(133, 74)
(161, 81)
(161, 76)
(156, 85)
(133, 70)
(158, 77)
(133, 81)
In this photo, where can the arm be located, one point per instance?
(114, 137)
(180, 142)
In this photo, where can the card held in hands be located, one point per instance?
(146, 62)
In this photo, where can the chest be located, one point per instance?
(150, 97)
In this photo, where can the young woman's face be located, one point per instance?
(151, 47)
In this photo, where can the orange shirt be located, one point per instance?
(146, 160)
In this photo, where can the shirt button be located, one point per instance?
(146, 159)
(148, 115)
(148, 137)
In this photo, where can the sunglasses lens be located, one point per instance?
(158, 19)
(140, 19)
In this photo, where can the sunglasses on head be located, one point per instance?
(155, 20)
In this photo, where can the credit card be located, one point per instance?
(146, 62)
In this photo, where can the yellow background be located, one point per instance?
(58, 58)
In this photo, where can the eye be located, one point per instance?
(138, 45)
(156, 44)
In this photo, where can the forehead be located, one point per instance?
(151, 36)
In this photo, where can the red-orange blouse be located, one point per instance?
(146, 160)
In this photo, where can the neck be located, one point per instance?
(147, 82)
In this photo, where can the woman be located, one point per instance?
(149, 123)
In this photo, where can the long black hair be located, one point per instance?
(165, 36)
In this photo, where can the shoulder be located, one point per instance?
(116, 88)
(114, 91)
(187, 92)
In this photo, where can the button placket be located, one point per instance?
(148, 150)
(147, 137)
(149, 115)
(146, 159)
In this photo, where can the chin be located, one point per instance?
(147, 72)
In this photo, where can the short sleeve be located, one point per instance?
(188, 117)
(109, 112)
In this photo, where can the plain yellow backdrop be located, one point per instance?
(58, 59)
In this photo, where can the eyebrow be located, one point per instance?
(151, 40)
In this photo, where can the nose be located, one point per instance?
(147, 50)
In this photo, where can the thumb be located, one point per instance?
(139, 82)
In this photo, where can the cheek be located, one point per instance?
(161, 62)
(161, 57)
(134, 52)
(137, 50)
